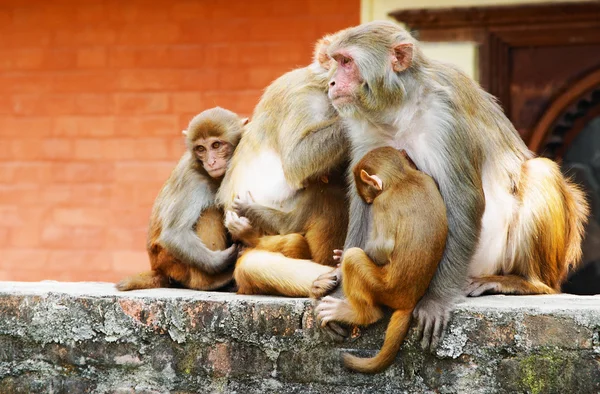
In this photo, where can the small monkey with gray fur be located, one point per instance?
(404, 246)
(187, 240)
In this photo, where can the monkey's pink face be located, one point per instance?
(345, 81)
(214, 154)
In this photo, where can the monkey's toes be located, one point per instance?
(477, 288)
(322, 287)
(336, 331)
(123, 285)
(325, 284)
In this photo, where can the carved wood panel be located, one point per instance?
(528, 55)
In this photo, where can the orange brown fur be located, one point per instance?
(306, 233)
(188, 243)
(405, 244)
(167, 270)
(294, 138)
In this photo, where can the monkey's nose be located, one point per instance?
(332, 83)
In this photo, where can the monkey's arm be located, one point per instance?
(269, 220)
(308, 150)
(462, 192)
(359, 221)
(178, 235)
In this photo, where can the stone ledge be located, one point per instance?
(87, 337)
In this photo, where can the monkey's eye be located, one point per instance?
(216, 145)
(199, 149)
(345, 61)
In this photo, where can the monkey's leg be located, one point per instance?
(506, 284)
(361, 285)
(290, 245)
(144, 280)
(211, 230)
(263, 272)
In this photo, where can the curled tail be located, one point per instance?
(394, 335)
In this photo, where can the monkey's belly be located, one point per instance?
(492, 255)
(263, 177)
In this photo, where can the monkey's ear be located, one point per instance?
(245, 121)
(402, 56)
(320, 55)
(372, 180)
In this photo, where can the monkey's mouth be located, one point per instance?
(220, 169)
(341, 99)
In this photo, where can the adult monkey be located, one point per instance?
(295, 137)
(515, 224)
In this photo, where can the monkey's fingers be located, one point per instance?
(326, 310)
(337, 254)
(438, 331)
(420, 326)
(229, 217)
(427, 333)
(477, 288)
(236, 204)
(224, 259)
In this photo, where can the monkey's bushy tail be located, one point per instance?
(394, 335)
(577, 216)
(551, 225)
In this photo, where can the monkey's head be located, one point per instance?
(379, 169)
(211, 136)
(321, 60)
(371, 62)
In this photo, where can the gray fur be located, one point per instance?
(179, 216)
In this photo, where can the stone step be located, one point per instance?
(87, 337)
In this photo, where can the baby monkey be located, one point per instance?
(188, 244)
(405, 244)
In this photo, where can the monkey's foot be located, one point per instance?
(328, 310)
(334, 329)
(477, 287)
(325, 283)
(432, 317)
(505, 284)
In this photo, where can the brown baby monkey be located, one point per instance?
(405, 244)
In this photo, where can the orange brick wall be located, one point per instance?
(93, 96)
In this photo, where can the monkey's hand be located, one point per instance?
(326, 283)
(242, 205)
(221, 260)
(432, 315)
(239, 226)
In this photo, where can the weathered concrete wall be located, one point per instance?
(86, 337)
